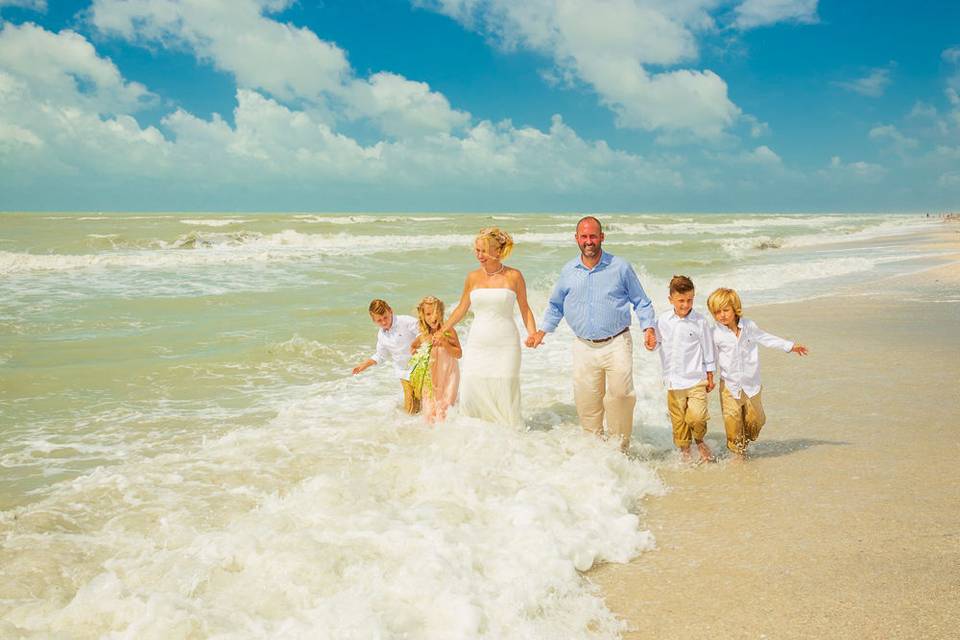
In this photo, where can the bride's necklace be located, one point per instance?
(490, 275)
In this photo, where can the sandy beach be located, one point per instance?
(846, 521)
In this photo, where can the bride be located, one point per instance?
(490, 379)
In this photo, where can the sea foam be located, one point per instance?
(339, 519)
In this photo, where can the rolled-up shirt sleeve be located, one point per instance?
(638, 298)
(554, 312)
(708, 348)
(381, 353)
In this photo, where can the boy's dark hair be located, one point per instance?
(680, 284)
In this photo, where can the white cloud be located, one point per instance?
(922, 110)
(36, 5)
(760, 157)
(889, 133)
(763, 155)
(60, 137)
(758, 13)
(758, 128)
(873, 85)
(609, 45)
(860, 170)
(290, 145)
(66, 123)
(65, 66)
(14, 135)
(952, 56)
(288, 62)
(403, 107)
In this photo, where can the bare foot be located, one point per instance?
(685, 455)
(737, 458)
(705, 454)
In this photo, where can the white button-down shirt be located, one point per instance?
(686, 349)
(394, 343)
(738, 358)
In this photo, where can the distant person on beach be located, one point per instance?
(490, 385)
(737, 342)
(434, 371)
(394, 338)
(595, 293)
(687, 354)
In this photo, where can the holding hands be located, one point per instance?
(650, 338)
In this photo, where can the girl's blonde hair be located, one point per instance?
(495, 237)
(429, 301)
(722, 298)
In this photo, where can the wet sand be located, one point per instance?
(845, 523)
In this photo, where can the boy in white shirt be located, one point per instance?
(687, 355)
(394, 338)
(738, 362)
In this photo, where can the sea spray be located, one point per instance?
(340, 519)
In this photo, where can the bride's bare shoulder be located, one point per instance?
(473, 279)
(513, 274)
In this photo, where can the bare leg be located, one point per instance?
(705, 454)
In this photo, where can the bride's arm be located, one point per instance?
(525, 312)
(457, 314)
(452, 343)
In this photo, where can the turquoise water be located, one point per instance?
(180, 428)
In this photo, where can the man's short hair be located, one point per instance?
(585, 218)
(379, 307)
(680, 284)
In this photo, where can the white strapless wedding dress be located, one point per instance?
(490, 382)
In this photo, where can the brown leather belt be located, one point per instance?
(602, 340)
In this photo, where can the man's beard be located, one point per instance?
(593, 250)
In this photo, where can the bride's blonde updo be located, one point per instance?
(495, 238)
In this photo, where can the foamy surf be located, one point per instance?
(334, 522)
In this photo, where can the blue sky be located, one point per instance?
(480, 105)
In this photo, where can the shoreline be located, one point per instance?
(846, 521)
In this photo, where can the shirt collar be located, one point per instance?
(605, 259)
(739, 325)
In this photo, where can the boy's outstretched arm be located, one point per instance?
(366, 364)
(799, 349)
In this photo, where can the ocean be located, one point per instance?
(185, 454)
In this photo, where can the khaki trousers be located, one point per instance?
(603, 386)
(411, 404)
(743, 418)
(688, 413)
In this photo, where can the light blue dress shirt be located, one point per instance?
(596, 302)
